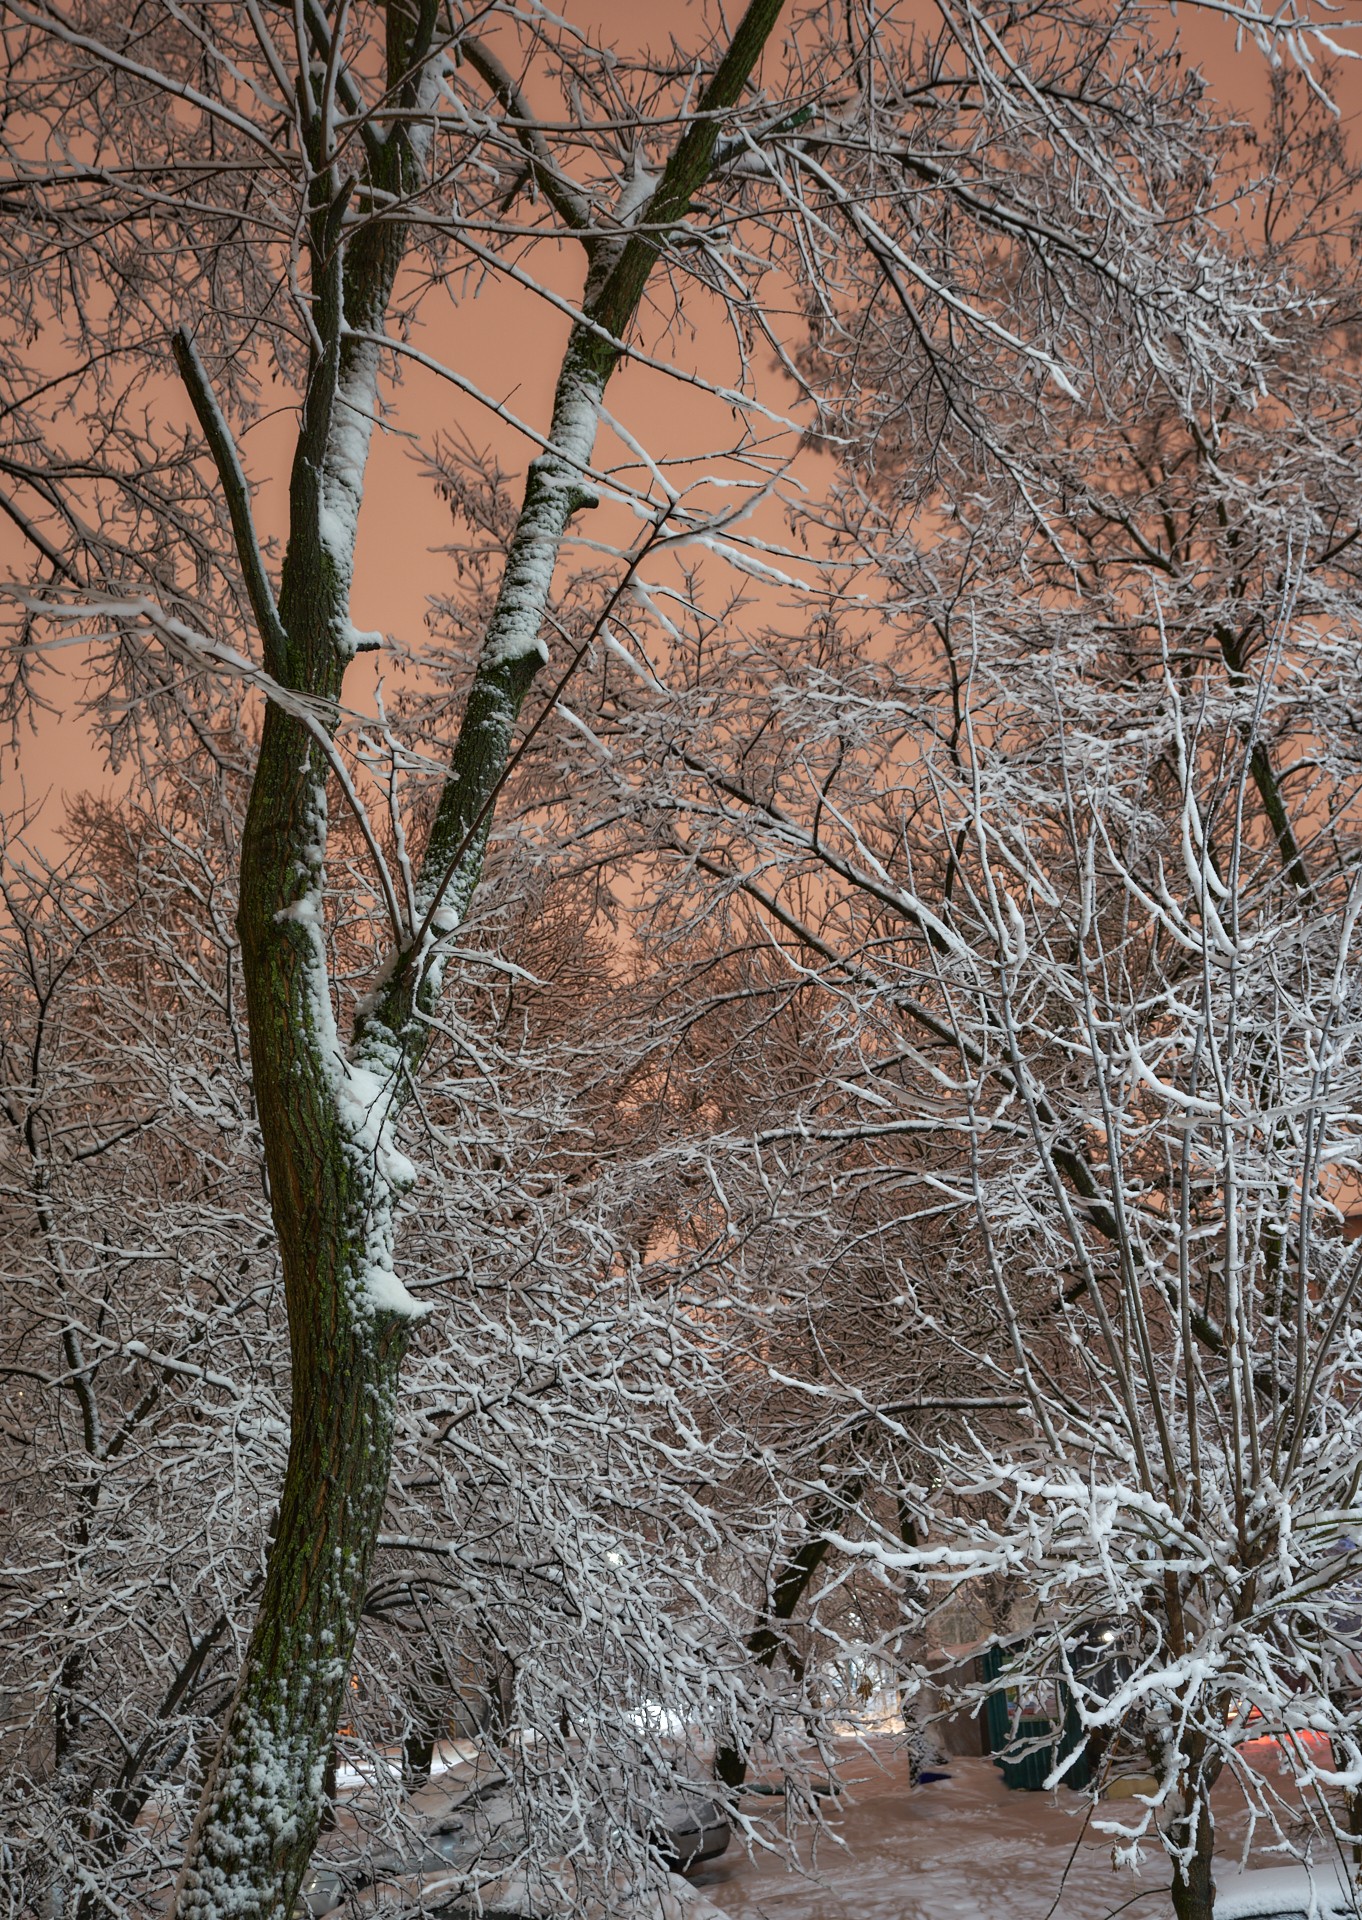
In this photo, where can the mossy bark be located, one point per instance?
(264, 1799)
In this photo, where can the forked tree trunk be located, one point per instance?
(327, 1106)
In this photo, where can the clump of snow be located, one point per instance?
(366, 1091)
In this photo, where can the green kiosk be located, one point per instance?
(1020, 1738)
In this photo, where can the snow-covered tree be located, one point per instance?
(1086, 801)
(281, 198)
(552, 1554)
(1171, 1013)
(144, 1364)
(301, 165)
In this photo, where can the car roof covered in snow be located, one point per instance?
(1322, 1888)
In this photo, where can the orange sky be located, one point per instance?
(509, 344)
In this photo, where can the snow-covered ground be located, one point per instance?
(959, 1849)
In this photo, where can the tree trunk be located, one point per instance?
(332, 1200)
(430, 1705)
(1193, 1886)
(767, 1638)
(326, 1107)
(264, 1800)
(333, 1182)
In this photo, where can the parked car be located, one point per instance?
(1321, 1892)
(689, 1831)
(481, 1830)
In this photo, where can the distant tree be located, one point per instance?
(1087, 792)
